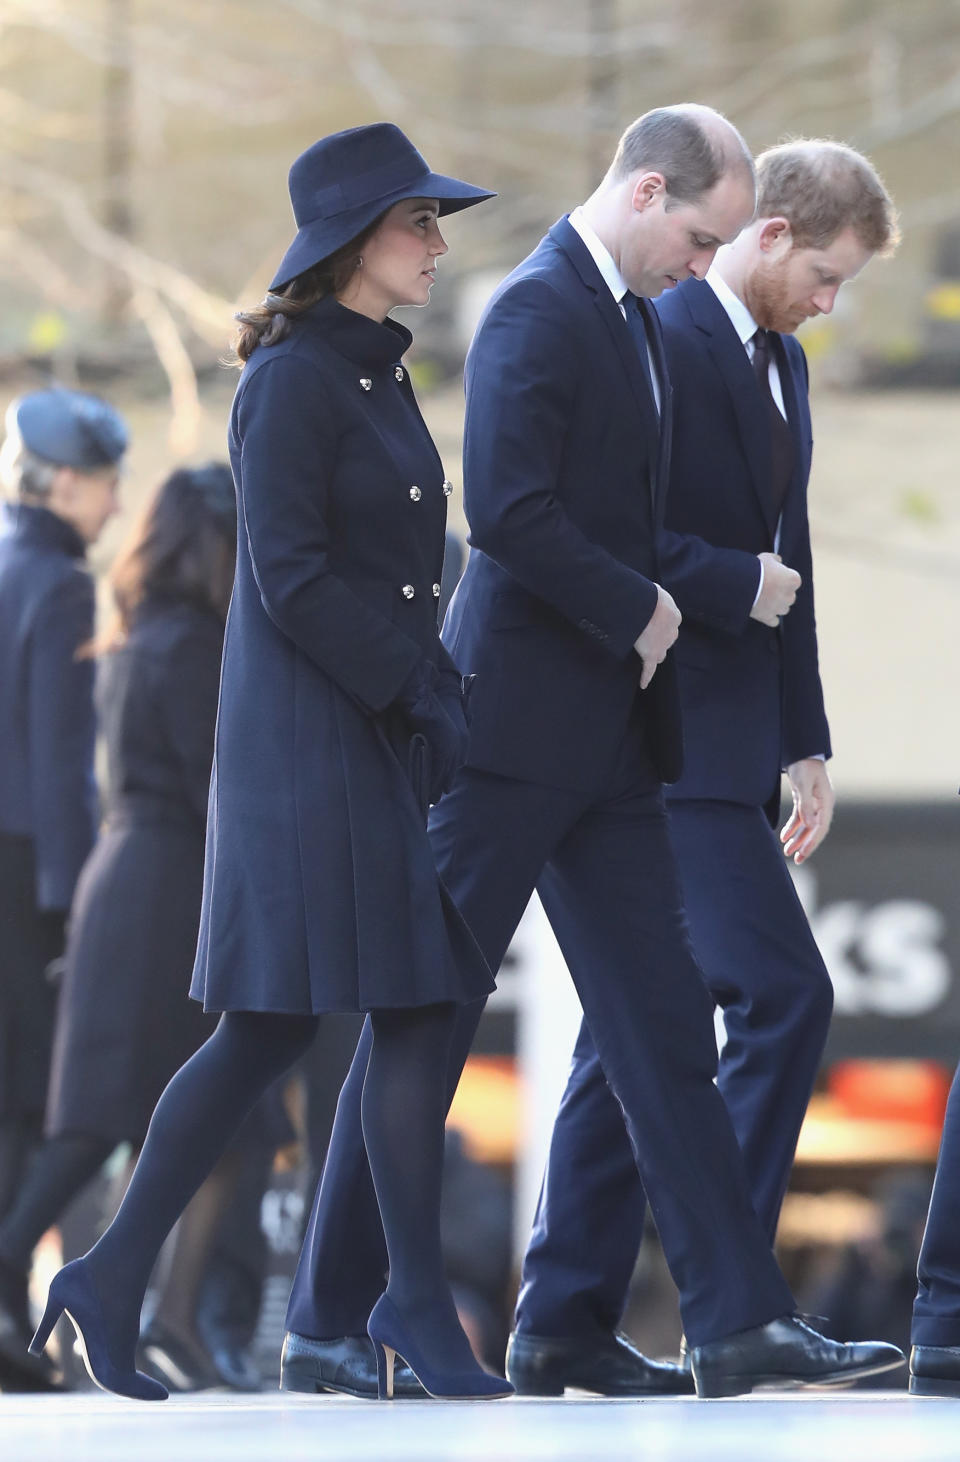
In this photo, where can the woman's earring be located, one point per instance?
(359, 261)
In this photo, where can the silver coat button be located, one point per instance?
(365, 383)
(436, 591)
(447, 487)
(415, 494)
(408, 591)
(398, 372)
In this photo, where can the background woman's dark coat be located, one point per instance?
(321, 892)
(125, 1022)
(47, 791)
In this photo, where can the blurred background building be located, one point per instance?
(142, 198)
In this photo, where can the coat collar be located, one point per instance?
(39, 526)
(356, 336)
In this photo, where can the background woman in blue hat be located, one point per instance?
(60, 466)
(340, 719)
(124, 1023)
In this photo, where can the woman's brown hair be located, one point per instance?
(269, 322)
(181, 551)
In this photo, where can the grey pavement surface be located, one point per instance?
(814, 1427)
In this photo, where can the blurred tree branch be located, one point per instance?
(208, 314)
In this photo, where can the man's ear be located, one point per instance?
(646, 190)
(63, 488)
(775, 235)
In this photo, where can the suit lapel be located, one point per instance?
(566, 237)
(797, 408)
(735, 371)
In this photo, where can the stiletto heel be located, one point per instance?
(73, 1293)
(387, 1329)
(44, 1330)
(386, 1356)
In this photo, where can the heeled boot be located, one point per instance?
(391, 1337)
(73, 1293)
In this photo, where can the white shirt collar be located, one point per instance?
(612, 277)
(740, 317)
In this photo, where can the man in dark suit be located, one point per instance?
(736, 556)
(561, 618)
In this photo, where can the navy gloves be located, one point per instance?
(431, 700)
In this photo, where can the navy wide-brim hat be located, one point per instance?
(345, 181)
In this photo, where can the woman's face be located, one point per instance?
(399, 260)
(86, 500)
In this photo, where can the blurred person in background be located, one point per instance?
(60, 465)
(124, 1022)
(341, 717)
(574, 727)
(867, 1285)
(736, 558)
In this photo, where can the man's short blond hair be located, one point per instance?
(822, 188)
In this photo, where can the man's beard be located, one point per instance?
(767, 297)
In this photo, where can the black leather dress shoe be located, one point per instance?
(784, 1354)
(935, 1370)
(610, 1365)
(347, 1366)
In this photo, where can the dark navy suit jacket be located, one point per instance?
(47, 725)
(751, 695)
(565, 469)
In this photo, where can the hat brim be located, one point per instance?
(317, 240)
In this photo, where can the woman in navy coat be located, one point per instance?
(340, 719)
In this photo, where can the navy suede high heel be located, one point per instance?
(387, 1329)
(72, 1293)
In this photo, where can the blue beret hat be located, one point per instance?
(70, 428)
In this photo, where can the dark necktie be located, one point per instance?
(636, 323)
(783, 453)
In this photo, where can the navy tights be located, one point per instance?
(404, 1104)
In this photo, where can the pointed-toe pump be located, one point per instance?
(72, 1293)
(388, 1331)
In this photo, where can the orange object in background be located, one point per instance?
(487, 1109)
(891, 1091)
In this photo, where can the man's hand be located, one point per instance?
(780, 586)
(813, 800)
(662, 629)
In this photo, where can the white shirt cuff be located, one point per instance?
(759, 587)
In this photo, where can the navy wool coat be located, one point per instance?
(124, 1023)
(47, 724)
(751, 695)
(320, 889)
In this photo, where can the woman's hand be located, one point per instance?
(432, 703)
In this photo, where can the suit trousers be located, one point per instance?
(936, 1310)
(606, 873)
(762, 966)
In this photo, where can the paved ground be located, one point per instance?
(811, 1428)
